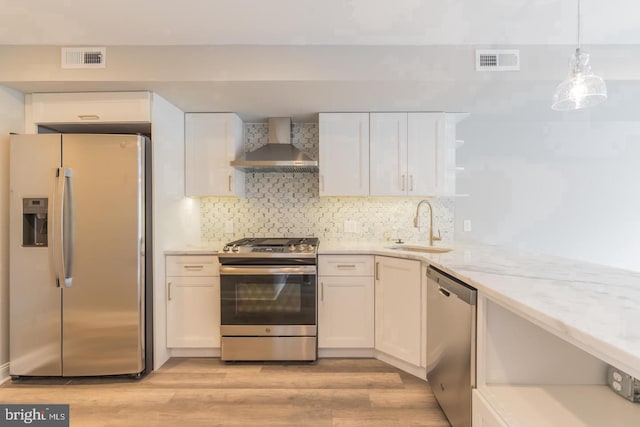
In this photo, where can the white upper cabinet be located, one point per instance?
(344, 154)
(89, 107)
(212, 140)
(388, 156)
(423, 161)
(412, 154)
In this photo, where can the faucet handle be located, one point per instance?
(438, 237)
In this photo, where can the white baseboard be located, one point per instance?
(4, 373)
(194, 352)
(346, 352)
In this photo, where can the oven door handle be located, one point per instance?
(262, 270)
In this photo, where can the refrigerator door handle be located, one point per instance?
(63, 228)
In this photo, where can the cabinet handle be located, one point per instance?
(169, 292)
(377, 271)
(230, 183)
(194, 267)
(322, 291)
(88, 116)
(346, 266)
(410, 182)
(402, 180)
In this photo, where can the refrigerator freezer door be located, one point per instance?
(103, 312)
(34, 309)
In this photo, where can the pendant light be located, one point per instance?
(582, 88)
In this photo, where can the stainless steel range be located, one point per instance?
(268, 290)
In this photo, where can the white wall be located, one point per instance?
(11, 120)
(175, 218)
(569, 187)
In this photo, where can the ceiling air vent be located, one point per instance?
(498, 60)
(84, 57)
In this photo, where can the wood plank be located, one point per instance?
(207, 392)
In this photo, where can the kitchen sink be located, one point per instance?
(421, 248)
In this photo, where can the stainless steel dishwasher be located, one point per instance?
(451, 343)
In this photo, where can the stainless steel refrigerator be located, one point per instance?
(80, 264)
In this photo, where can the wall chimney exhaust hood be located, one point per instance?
(279, 155)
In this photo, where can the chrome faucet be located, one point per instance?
(416, 221)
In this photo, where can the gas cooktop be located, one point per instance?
(272, 246)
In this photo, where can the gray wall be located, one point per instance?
(569, 187)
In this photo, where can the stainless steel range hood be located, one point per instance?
(278, 155)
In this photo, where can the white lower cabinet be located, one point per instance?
(398, 308)
(193, 301)
(483, 414)
(345, 301)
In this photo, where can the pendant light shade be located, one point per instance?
(582, 88)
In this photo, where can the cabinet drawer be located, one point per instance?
(192, 265)
(345, 265)
(91, 107)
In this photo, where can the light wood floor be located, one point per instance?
(188, 392)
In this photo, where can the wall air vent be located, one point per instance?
(498, 60)
(84, 57)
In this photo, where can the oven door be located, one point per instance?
(268, 295)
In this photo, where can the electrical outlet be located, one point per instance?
(228, 227)
(466, 225)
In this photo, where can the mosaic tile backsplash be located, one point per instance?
(288, 205)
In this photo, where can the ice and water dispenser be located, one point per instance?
(34, 221)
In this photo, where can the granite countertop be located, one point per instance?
(594, 307)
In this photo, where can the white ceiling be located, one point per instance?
(324, 22)
(318, 74)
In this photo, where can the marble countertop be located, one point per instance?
(204, 248)
(595, 307)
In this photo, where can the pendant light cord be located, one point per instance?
(576, 68)
(579, 28)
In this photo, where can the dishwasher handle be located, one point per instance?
(448, 284)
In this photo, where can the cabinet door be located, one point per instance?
(398, 308)
(212, 140)
(388, 154)
(344, 154)
(91, 107)
(193, 312)
(345, 312)
(425, 152)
